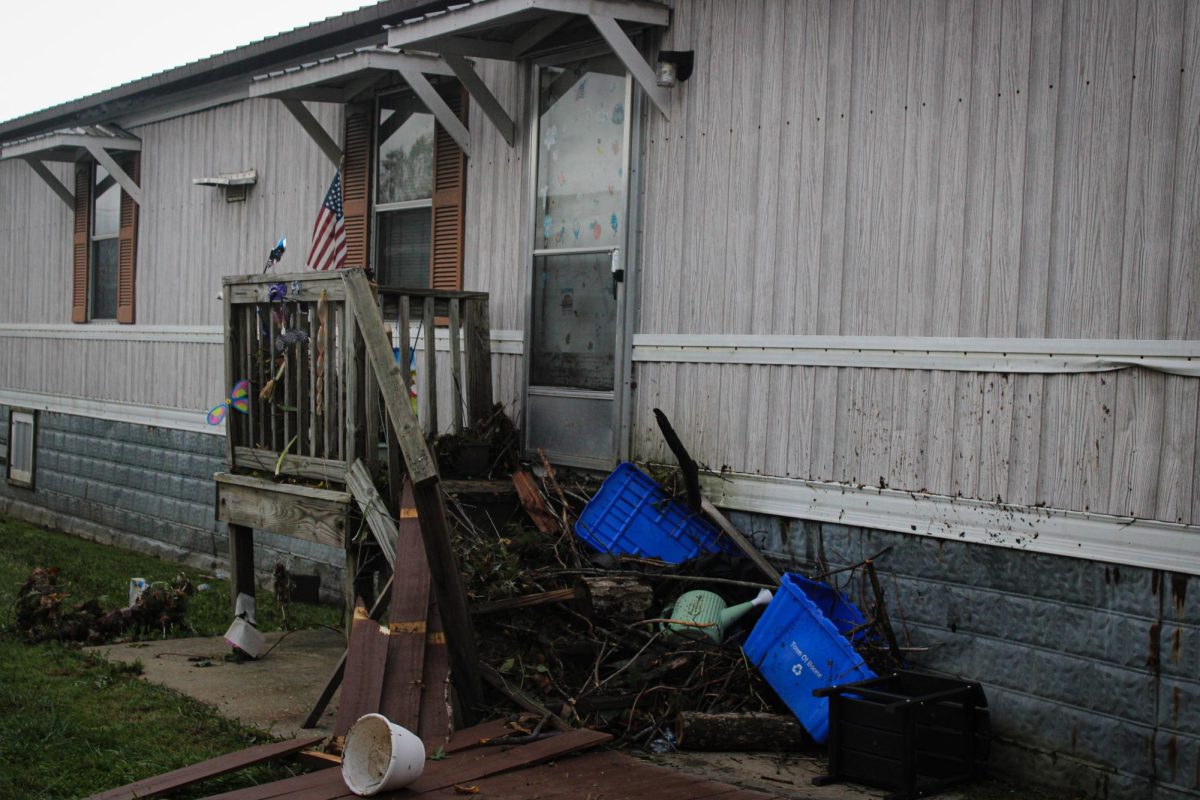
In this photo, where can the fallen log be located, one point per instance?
(623, 598)
(742, 732)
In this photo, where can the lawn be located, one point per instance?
(71, 723)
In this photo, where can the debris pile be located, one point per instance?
(623, 641)
(43, 611)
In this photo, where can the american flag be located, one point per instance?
(328, 247)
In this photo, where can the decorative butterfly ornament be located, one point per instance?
(239, 400)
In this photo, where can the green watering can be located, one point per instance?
(702, 614)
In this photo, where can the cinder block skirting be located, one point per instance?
(147, 489)
(1090, 669)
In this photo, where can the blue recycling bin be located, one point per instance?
(800, 644)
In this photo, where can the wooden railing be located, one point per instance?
(310, 413)
(328, 401)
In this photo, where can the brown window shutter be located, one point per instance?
(449, 202)
(356, 183)
(127, 246)
(83, 231)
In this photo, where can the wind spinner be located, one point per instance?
(239, 400)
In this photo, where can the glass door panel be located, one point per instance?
(578, 250)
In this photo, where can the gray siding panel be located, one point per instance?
(939, 168)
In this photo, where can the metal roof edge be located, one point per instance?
(247, 60)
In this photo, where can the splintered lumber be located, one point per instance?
(407, 621)
(743, 543)
(335, 679)
(623, 598)
(691, 479)
(422, 471)
(744, 732)
(437, 714)
(534, 504)
(470, 765)
(172, 781)
(527, 601)
(362, 684)
(359, 482)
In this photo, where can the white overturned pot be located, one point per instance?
(380, 755)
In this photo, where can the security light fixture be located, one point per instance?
(674, 66)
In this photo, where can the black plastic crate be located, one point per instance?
(907, 732)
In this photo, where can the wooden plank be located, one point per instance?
(313, 514)
(319, 469)
(335, 678)
(471, 765)
(374, 511)
(407, 620)
(429, 378)
(212, 768)
(370, 417)
(745, 545)
(437, 718)
(326, 783)
(231, 349)
(422, 471)
(607, 774)
(456, 367)
(478, 356)
(405, 345)
(534, 504)
(362, 683)
(418, 459)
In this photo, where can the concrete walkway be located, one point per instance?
(273, 694)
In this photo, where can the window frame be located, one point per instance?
(378, 208)
(93, 239)
(21, 478)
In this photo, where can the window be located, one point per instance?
(403, 190)
(105, 245)
(21, 435)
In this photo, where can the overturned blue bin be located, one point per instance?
(800, 644)
(632, 515)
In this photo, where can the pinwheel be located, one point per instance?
(239, 400)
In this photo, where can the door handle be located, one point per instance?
(618, 274)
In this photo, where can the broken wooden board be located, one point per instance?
(335, 679)
(422, 471)
(473, 762)
(608, 775)
(534, 504)
(214, 767)
(437, 717)
(408, 623)
(373, 509)
(362, 683)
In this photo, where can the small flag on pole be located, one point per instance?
(328, 247)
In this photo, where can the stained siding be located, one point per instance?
(932, 168)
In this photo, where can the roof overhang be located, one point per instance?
(343, 77)
(71, 145)
(515, 30)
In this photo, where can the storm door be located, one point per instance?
(577, 298)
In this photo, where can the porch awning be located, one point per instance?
(340, 78)
(518, 29)
(72, 144)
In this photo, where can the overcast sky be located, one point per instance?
(52, 51)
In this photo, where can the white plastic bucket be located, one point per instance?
(380, 755)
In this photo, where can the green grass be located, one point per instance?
(91, 570)
(72, 723)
